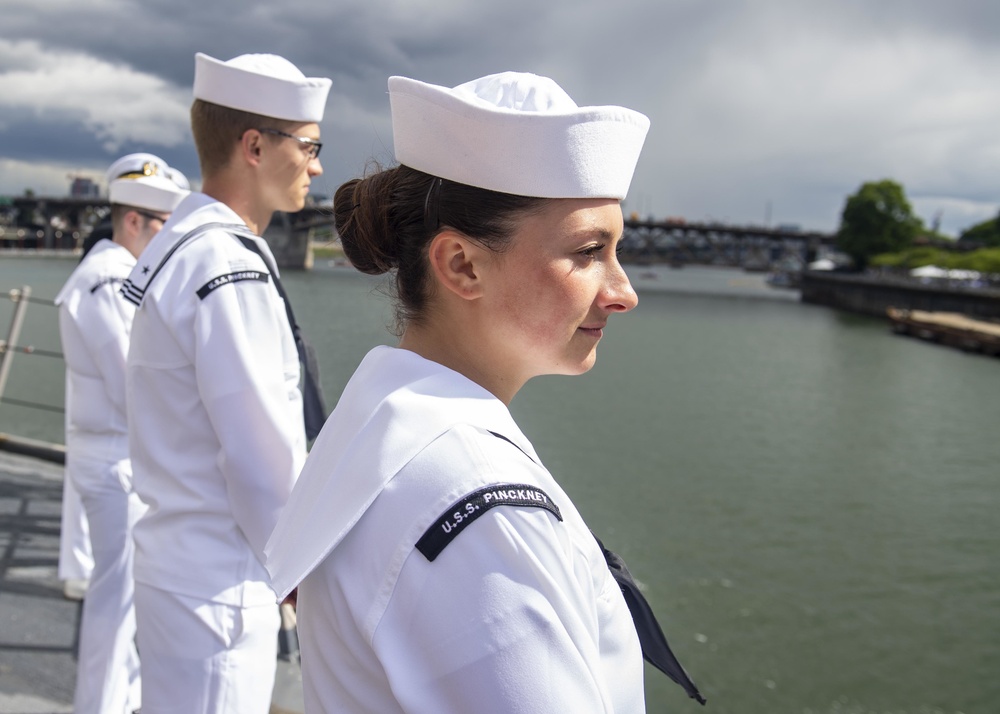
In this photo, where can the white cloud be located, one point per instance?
(956, 214)
(783, 112)
(763, 109)
(115, 102)
(43, 179)
(54, 6)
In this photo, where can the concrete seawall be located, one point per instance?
(871, 295)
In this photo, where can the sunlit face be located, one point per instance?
(550, 294)
(289, 168)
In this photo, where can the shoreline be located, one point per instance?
(57, 253)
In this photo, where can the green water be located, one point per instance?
(810, 501)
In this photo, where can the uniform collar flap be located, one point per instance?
(395, 405)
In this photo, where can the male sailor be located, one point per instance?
(76, 560)
(95, 322)
(216, 418)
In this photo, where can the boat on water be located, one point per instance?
(948, 328)
(784, 279)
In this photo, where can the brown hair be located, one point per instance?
(118, 212)
(217, 129)
(386, 221)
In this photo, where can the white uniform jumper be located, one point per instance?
(419, 595)
(94, 325)
(76, 558)
(215, 417)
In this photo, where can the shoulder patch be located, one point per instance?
(464, 511)
(106, 281)
(238, 276)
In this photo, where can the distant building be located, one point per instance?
(83, 187)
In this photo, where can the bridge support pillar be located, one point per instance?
(292, 248)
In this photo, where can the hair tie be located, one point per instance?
(431, 205)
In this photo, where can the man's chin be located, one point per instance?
(294, 206)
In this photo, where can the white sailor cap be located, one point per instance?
(154, 193)
(516, 133)
(268, 85)
(136, 165)
(178, 178)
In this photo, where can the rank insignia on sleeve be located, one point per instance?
(467, 509)
(238, 276)
(106, 281)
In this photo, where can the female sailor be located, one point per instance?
(440, 567)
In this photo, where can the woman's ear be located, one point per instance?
(456, 263)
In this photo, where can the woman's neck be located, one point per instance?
(450, 346)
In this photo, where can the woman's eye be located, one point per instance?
(592, 251)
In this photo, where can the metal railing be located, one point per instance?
(21, 297)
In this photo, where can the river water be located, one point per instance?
(810, 501)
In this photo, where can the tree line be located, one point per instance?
(878, 228)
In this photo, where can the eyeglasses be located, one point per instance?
(150, 216)
(313, 145)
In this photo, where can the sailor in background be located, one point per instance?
(216, 419)
(440, 567)
(95, 322)
(76, 560)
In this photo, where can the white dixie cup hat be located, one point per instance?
(178, 178)
(154, 193)
(263, 84)
(516, 133)
(135, 166)
(144, 181)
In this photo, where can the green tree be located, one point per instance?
(986, 234)
(876, 219)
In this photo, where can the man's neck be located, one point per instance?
(129, 244)
(234, 193)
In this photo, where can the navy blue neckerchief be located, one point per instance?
(313, 405)
(655, 649)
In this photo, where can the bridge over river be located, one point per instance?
(63, 223)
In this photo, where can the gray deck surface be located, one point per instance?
(38, 626)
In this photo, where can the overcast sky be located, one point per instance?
(762, 111)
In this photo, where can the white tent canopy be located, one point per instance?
(929, 271)
(933, 271)
(956, 274)
(822, 264)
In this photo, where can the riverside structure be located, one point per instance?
(62, 223)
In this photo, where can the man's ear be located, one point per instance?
(457, 263)
(251, 145)
(132, 222)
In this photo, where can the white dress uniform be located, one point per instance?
(444, 568)
(94, 325)
(217, 440)
(76, 558)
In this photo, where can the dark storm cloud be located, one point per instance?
(50, 136)
(754, 103)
